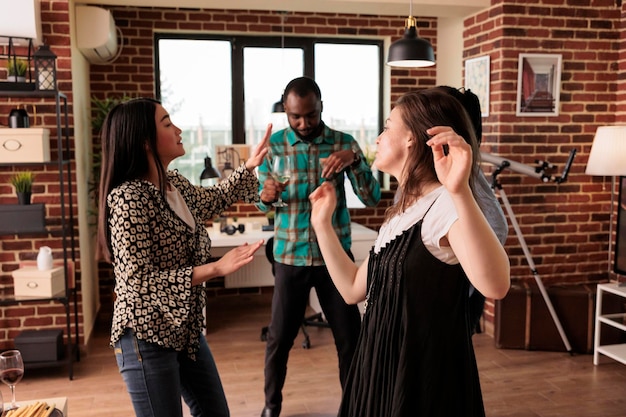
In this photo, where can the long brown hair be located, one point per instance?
(421, 110)
(128, 136)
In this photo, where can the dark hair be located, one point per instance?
(421, 110)
(471, 103)
(303, 86)
(128, 138)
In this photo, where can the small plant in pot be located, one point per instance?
(23, 183)
(16, 69)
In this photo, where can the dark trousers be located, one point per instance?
(291, 293)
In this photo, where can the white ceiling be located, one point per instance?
(424, 8)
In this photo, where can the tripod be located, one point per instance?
(497, 188)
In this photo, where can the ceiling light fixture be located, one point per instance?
(411, 51)
(279, 107)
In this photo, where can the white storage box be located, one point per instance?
(24, 145)
(31, 282)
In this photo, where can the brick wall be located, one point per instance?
(13, 249)
(565, 226)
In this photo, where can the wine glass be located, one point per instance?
(281, 171)
(11, 371)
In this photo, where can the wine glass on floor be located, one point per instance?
(11, 371)
(281, 171)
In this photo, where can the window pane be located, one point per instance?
(266, 72)
(348, 75)
(198, 97)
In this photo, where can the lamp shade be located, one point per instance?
(608, 152)
(411, 51)
(209, 170)
(278, 107)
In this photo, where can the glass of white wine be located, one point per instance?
(281, 171)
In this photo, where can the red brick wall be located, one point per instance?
(565, 226)
(13, 249)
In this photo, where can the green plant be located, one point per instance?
(23, 181)
(17, 67)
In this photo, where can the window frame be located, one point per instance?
(239, 42)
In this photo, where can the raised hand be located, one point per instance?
(258, 154)
(454, 166)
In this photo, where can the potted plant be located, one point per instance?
(16, 69)
(23, 183)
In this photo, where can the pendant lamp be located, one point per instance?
(209, 170)
(278, 107)
(411, 51)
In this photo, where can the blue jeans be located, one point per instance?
(157, 377)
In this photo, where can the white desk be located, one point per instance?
(258, 273)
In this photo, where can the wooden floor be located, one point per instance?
(515, 383)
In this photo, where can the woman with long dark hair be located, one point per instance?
(151, 228)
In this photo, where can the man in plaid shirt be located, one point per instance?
(317, 154)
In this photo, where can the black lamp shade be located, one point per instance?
(278, 107)
(45, 68)
(209, 170)
(411, 51)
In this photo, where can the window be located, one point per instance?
(220, 90)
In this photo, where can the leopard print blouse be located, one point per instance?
(154, 252)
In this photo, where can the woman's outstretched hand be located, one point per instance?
(258, 154)
(453, 169)
(235, 258)
(323, 201)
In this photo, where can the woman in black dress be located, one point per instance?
(415, 354)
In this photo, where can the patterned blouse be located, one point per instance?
(154, 252)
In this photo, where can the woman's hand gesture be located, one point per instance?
(454, 168)
(323, 201)
(258, 154)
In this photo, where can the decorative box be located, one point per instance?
(31, 282)
(40, 345)
(20, 218)
(24, 145)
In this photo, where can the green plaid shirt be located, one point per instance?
(295, 242)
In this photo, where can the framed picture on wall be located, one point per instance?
(620, 235)
(477, 79)
(229, 157)
(538, 84)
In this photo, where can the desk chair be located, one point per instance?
(316, 320)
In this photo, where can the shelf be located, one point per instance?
(7, 298)
(62, 229)
(48, 163)
(30, 93)
(615, 352)
(615, 320)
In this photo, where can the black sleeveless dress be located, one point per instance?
(415, 355)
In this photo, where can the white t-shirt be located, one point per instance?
(436, 224)
(177, 203)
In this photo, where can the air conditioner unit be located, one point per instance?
(96, 34)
